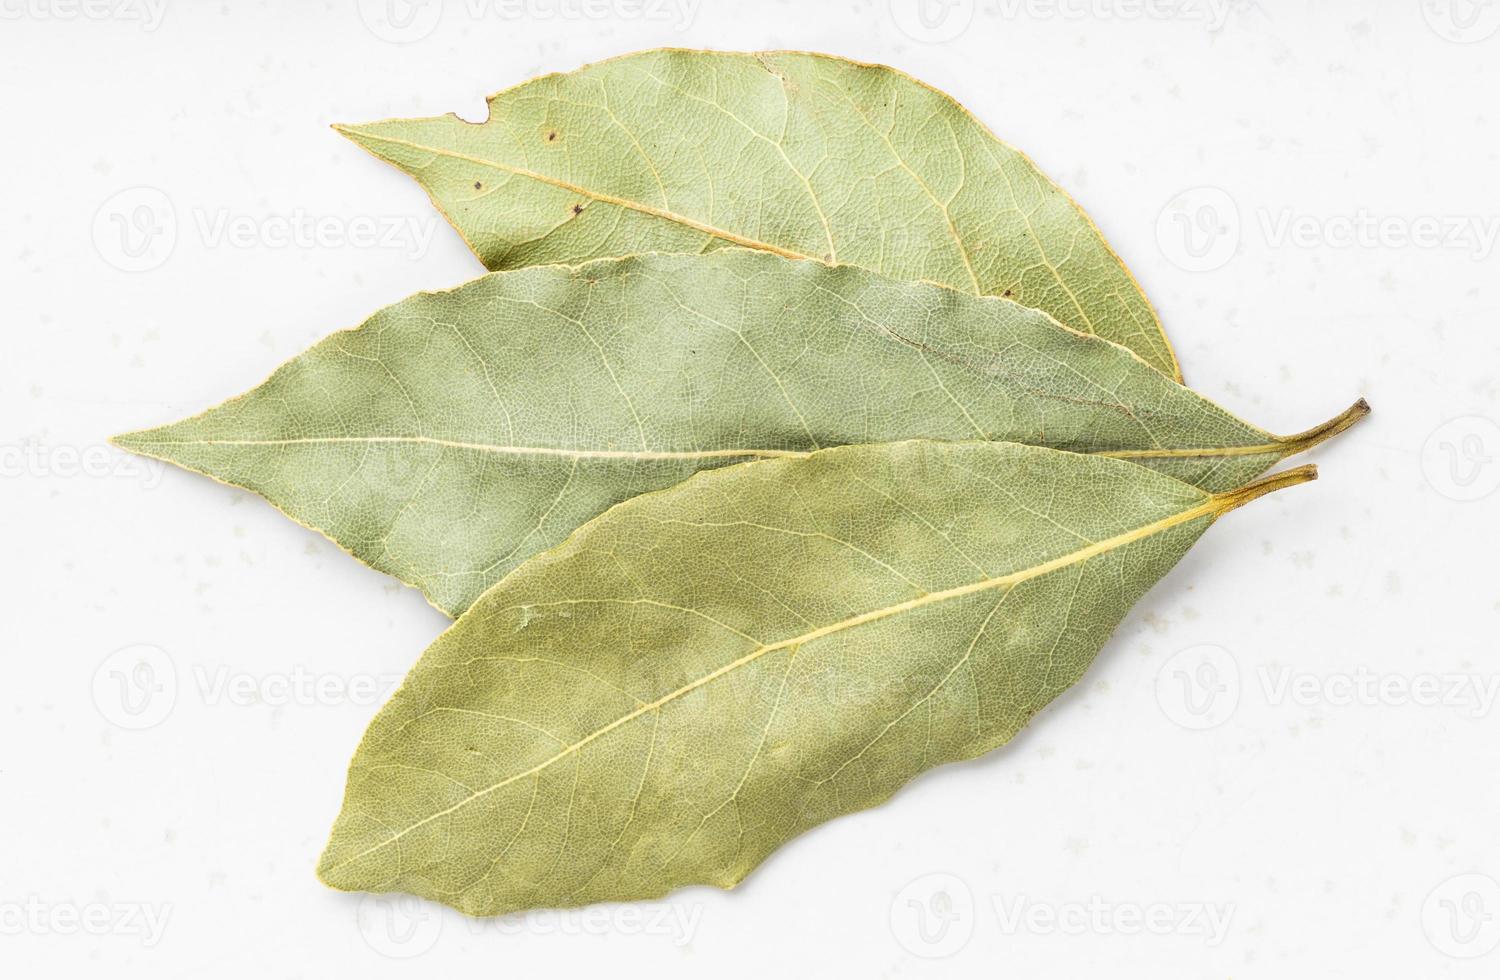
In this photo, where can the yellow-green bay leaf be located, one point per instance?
(801, 154)
(700, 674)
(455, 434)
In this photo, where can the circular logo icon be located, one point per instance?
(1461, 917)
(1461, 459)
(136, 229)
(1199, 229)
(933, 916)
(932, 21)
(401, 21)
(136, 687)
(1462, 21)
(1199, 688)
(398, 926)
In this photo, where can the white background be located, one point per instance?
(1341, 828)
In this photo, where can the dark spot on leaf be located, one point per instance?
(578, 209)
(477, 185)
(552, 136)
(1007, 294)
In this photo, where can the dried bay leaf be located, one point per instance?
(455, 434)
(701, 674)
(804, 155)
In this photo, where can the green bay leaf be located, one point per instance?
(700, 674)
(455, 434)
(801, 154)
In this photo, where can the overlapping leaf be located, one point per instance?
(455, 434)
(701, 674)
(800, 154)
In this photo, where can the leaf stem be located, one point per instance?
(1303, 441)
(1235, 499)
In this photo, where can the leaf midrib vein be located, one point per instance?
(663, 454)
(600, 196)
(1280, 446)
